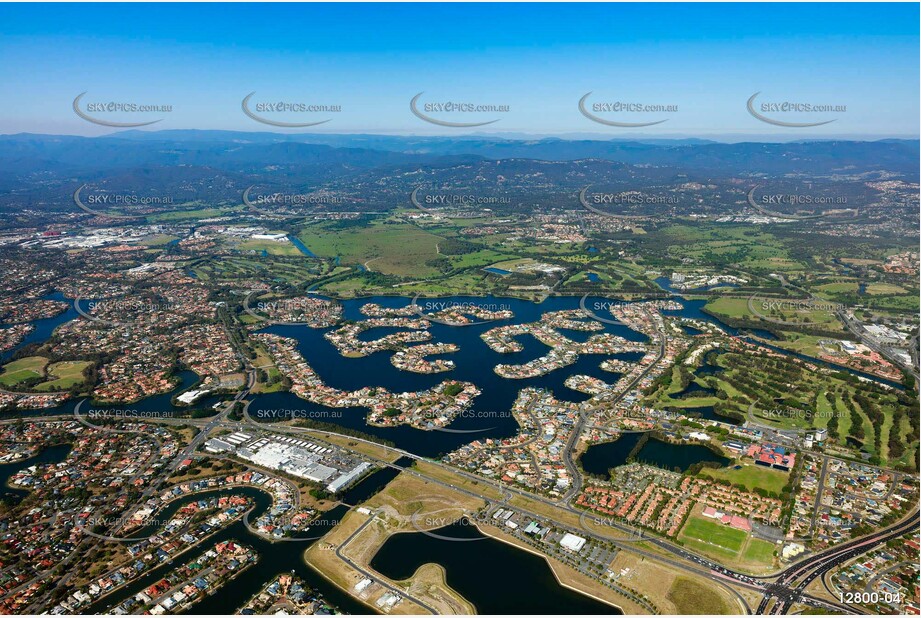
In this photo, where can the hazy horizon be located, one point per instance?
(511, 136)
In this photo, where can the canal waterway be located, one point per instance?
(48, 455)
(274, 558)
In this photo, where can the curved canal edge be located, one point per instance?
(549, 564)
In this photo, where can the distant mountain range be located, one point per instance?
(42, 170)
(238, 150)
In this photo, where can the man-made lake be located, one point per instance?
(599, 458)
(474, 363)
(496, 577)
(44, 327)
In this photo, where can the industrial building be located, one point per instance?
(300, 458)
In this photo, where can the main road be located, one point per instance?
(575, 474)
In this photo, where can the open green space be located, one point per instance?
(758, 551)
(63, 375)
(37, 374)
(714, 533)
(750, 476)
(23, 369)
(877, 289)
(390, 248)
(692, 598)
(268, 246)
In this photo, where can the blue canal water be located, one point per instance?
(490, 417)
(49, 455)
(300, 245)
(473, 362)
(480, 571)
(710, 414)
(44, 327)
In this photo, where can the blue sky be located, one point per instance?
(537, 59)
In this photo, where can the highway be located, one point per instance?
(790, 584)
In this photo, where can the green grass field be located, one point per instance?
(751, 476)
(269, 246)
(839, 287)
(730, 307)
(63, 375)
(734, 307)
(713, 533)
(707, 549)
(201, 213)
(745, 247)
(798, 342)
(393, 249)
(758, 551)
(296, 269)
(157, 240)
(57, 376)
(22, 370)
(885, 288)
